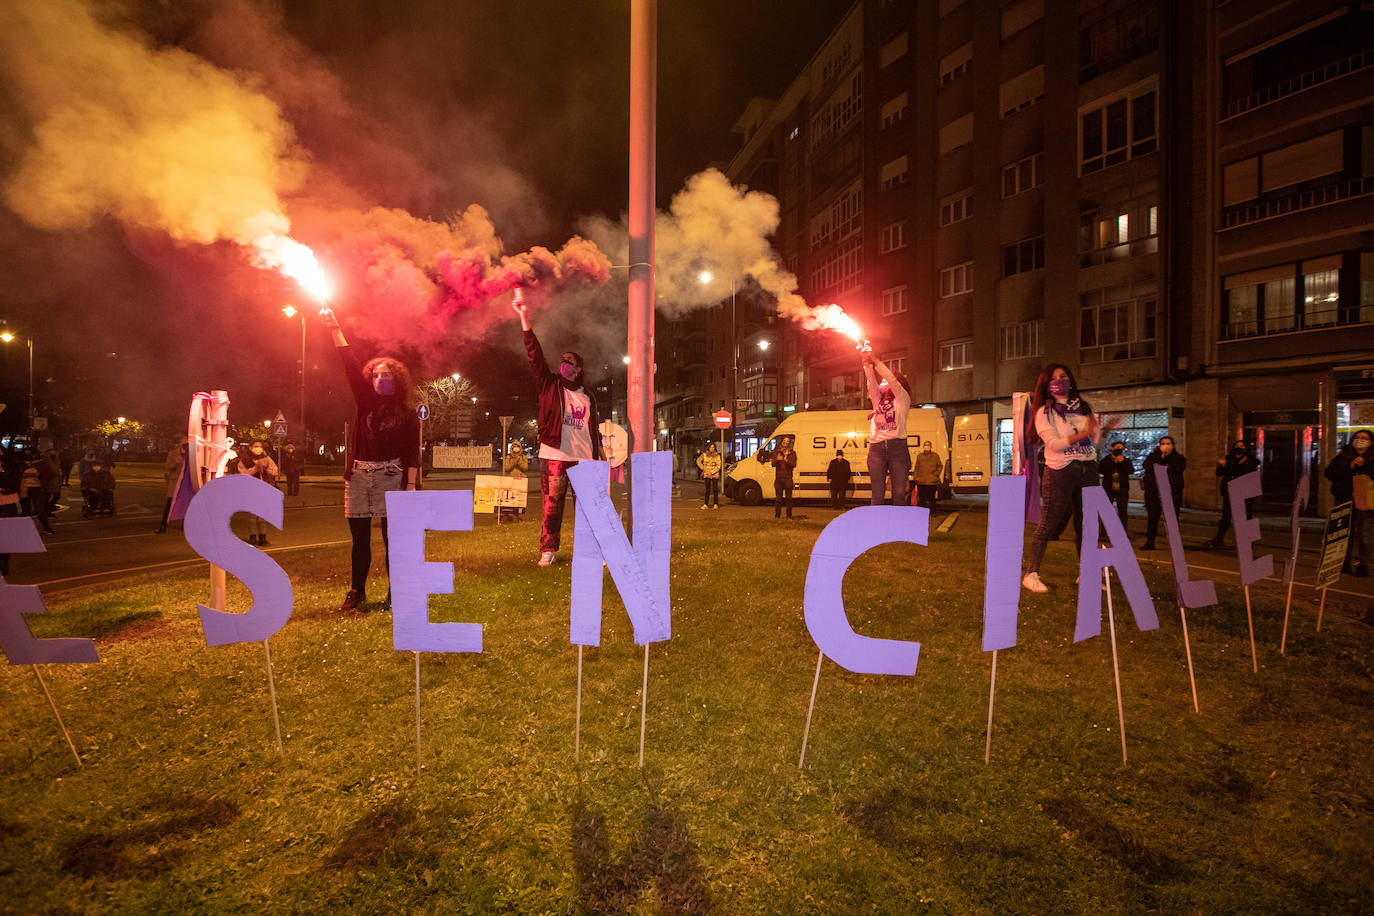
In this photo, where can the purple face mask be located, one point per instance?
(569, 371)
(384, 386)
(1059, 387)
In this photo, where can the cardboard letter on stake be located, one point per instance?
(1252, 568)
(20, 535)
(1002, 564)
(1299, 503)
(208, 533)
(1191, 592)
(1097, 508)
(413, 579)
(840, 544)
(640, 572)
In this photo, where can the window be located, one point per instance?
(1286, 298)
(949, 6)
(956, 280)
(894, 300)
(893, 51)
(894, 111)
(1314, 158)
(841, 269)
(1021, 92)
(1019, 341)
(1240, 181)
(842, 109)
(893, 237)
(841, 219)
(895, 361)
(956, 134)
(956, 63)
(1022, 175)
(1118, 231)
(893, 174)
(1117, 38)
(956, 207)
(956, 354)
(1020, 15)
(1321, 296)
(1116, 325)
(1117, 130)
(1024, 256)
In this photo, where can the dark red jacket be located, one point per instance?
(550, 386)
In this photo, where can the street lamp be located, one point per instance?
(291, 311)
(764, 344)
(7, 337)
(705, 278)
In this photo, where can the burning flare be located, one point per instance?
(831, 318)
(294, 260)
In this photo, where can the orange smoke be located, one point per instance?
(830, 318)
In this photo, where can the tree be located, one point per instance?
(443, 396)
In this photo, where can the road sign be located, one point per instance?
(279, 426)
(722, 418)
(422, 411)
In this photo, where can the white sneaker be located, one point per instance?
(1033, 583)
(546, 558)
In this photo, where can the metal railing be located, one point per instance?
(1299, 83)
(1295, 203)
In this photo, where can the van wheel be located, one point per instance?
(749, 494)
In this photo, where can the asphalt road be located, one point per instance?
(85, 552)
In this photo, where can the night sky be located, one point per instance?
(422, 107)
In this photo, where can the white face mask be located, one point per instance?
(1360, 443)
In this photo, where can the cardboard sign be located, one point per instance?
(1335, 543)
(491, 492)
(20, 535)
(413, 579)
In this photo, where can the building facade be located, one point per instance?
(1174, 200)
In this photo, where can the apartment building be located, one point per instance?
(1174, 201)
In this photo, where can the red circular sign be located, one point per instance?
(722, 418)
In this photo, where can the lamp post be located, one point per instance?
(291, 311)
(7, 337)
(706, 278)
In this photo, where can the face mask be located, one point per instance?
(1117, 453)
(1238, 452)
(256, 450)
(569, 371)
(386, 387)
(1059, 387)
(1360, 444)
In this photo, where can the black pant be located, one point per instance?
(784, 492)
(361, 530)
(926, 494)
(293, 484)
(1121, 500)
(712, 491)
(1154, 508)
(1224, 525)
(837, 491)
(1061, 498)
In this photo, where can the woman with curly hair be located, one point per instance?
(383, 454)
(1069, 431)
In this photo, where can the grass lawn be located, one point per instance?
(1264, 802)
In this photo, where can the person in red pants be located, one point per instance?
(568, 428)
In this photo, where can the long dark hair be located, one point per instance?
(1042, 394)
(404, 399)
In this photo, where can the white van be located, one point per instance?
(817, 434)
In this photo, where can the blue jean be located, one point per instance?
(888, 458)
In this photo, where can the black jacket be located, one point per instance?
(1174, 465)
(1116, 476)
(1234, 467)
(1342, 475)
(838, 472)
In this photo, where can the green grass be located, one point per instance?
(1261, 803)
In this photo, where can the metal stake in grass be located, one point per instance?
(992, 692)
(643, 705)
(272, 688)
(806, 733)
(60, 723)
(1188, 651)
(577, 721)
(1287, 605)
(1116, 668)
(1250, 620)
(418, 764)
(1321, 607)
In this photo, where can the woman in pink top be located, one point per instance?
(1069, 431)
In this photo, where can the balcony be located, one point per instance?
(1310, 199)
(1286, 324)
(1300, 83)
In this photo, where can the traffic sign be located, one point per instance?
(722, 418)
(422, 411)
(279, 426)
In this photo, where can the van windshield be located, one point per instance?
(765, 452)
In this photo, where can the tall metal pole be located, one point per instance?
(734, 375)
(305, 440)
(643, 89)
(32, 412)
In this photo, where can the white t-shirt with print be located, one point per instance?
(576, 444)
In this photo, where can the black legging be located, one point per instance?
(361, 529)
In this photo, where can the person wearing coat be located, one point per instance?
(515, 464)
(927, 471)
(838, 473)
(257, 463)
(1238, 463)
(171, 472)
(1174, 465)
(709, 463)
(1351, 481)
(784, 463)
(1116, 470)
(292, 464)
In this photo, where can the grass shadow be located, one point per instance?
(1112, 841)
(148, 848)
(662, 856)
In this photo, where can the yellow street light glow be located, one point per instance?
(705, 277)
(119, 419)
(455, 376)
(289, 311)
(625, 360)
(7, 336)
(763, 345)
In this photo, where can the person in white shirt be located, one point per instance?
(887, 451)
(1069, 431)
(567, 418)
